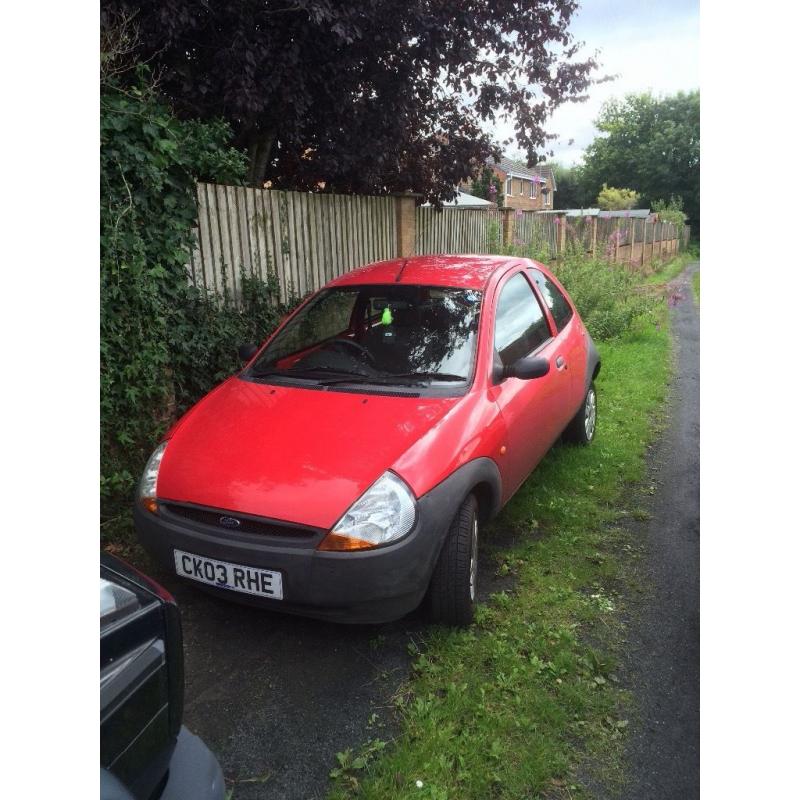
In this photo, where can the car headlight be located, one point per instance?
(147, 485)
(383, 514)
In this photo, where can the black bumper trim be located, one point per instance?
(368, 586)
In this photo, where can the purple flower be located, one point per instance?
(518, 213)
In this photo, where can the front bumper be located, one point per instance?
(193, 771)
(368, 586)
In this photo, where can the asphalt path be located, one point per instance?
(663, 642)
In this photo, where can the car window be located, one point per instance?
(520, 324)
(556, 302)
(392, 334)
(324, 319)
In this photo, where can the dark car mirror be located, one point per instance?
(247, 351)
(527, 368)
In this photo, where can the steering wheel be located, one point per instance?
(359, 348)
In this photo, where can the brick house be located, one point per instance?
(528, 188)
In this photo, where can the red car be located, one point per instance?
(344, 473)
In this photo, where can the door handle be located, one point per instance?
(560, 363)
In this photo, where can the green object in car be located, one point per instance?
(386, 319)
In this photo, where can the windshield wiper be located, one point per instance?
(382, 379)
(435, 376)
(305, 375)
(404, 378)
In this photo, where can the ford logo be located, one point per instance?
(229, 522)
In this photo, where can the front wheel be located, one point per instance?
(453, 585)
(583, 425)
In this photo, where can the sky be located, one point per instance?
(649, 45)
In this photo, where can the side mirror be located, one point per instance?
(525, 369)
(247, 351)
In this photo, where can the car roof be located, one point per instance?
(467, 271)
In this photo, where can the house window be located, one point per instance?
(547, 196)
(509, 185)
(533, 190)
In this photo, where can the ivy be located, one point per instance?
(163, 343)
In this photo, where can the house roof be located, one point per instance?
(464, 200)
(519, 170)
(634, 213)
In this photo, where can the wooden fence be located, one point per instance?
(456, 230)
(633, 240)
(305, 239)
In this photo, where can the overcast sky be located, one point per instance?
(650, 45)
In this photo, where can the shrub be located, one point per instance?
(613, 199)
(671, 211)
(162, 342)
(609, 297)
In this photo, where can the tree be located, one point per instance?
(364, 95)
(611, 199)
(651, 144)
(488, 186)
(571, 192)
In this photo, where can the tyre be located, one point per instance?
(452, 590)
(583, 425)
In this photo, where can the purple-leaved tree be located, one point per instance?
(364, 95)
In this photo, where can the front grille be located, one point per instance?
(212, 517)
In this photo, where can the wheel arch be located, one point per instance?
(480, 477)
(592, 363)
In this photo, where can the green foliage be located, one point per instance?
(613, 199)
(670, 211)
(571, 192)
(607, 295)
(651, 144)
(488, 186)
(162, 343)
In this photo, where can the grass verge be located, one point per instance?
(696, 286)
(512, 706)
(665, 272)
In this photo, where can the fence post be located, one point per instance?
(508, 226)
(562, 234)
(644, 240)
(405, 206)
(616, 242)
(594, 236)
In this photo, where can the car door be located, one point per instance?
(531, 409)
(569, 339)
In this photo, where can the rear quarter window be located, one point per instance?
(558, 304)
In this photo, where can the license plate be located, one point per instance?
(224, 575)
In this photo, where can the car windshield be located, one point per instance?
(394, 334)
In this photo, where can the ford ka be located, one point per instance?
(346, 471)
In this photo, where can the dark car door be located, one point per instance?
(531, 409)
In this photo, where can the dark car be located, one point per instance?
(145, 752)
